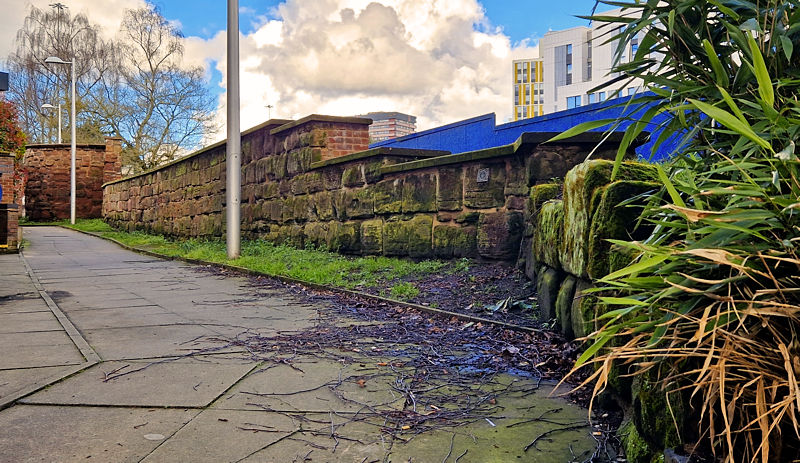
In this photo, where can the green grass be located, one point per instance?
(312, 265)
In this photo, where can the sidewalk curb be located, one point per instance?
(308, 284)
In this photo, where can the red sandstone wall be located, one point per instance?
(7, 177)
(48, 185)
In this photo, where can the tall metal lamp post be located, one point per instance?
(49, 106)
(73, 121)
(233, 155)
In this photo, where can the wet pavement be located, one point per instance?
(109, 355)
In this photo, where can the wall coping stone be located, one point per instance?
(205, 149)
(65, 145)
(320, 118)
(528, 138)
(380, 151)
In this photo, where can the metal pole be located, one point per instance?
(73, 123)
(233, 160)
(59, 123)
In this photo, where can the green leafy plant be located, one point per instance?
(404, 291)
(711, 302)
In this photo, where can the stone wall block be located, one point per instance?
(499, 235)
(582, 187)
(420, 229)
(613, 221)
(548, 233)
(547, 285)
(453, 241)
(516, 180)
(372, 236)
(395, 237)
(353, 176)
(450, 193)
(582, 311)
(563, 307)
(419, 193)
(323, 205)
(388, 194)
(358, 204)
(479, 194)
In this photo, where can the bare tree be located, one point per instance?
(135, 87)
(162, 108)
(33, 83)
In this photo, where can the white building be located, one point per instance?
(574, 61)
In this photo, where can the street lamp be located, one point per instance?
(54, 60)
(49, 106)
(233, 154)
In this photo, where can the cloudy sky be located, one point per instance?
(441, 60)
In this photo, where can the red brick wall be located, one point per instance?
(48, 185)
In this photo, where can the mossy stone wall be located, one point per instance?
(314, 182)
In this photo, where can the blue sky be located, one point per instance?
(519, 19)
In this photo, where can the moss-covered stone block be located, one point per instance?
(613, 220)
(548, 283)
(395, 238)
(548, 233)
(303, 208)
(306, 183)
(420, 229)
(582, 311)
(636, 449)
(388, 196)
(419, 193)
(653, 409)
(452, 241)
(468, 218)
(540, 194)
(316, 233)
(499, 235)
(277, 166)
(358, 204)
(345, 237)
(581, 184)
(323, 205)
(353, 176)
(332, 178)
(480, 194)
(566, 294)
(372, 171)
(299, 161)
(451, 189)
(372, 236)
(516, 181)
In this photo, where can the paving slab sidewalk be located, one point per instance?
(115, 336)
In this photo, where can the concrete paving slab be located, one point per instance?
(13, 380)
(124, 317)
(314, 385)
(149, 341)
(157, 383)
(25, 305)
(10, 341)
(28, 322)
(81, 434)
(216, 435)
(40, 356)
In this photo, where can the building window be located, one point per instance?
(631, 90)
(634, 46)
(569, 63)
(573, 101)
(601, 96)
(569, 48)
(516, 94)
(592, 98)
(528, 94)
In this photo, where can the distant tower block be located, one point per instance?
(387, 125)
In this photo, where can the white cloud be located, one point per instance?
(436, 59)
(346, 57)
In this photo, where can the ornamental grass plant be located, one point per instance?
(710, 304)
